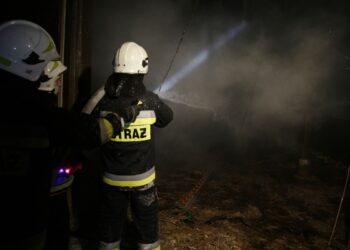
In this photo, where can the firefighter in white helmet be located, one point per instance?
(129, 158)
(32, 128)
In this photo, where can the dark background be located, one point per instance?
(282, 83)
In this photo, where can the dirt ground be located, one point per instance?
(267, 204)
(270, 203)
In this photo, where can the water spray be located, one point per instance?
(198, 60)
(201, 57)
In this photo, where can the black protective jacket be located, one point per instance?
(32, 129)
(132, 152)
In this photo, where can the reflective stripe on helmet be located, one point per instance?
(5, 61)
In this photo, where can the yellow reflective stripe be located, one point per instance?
(129, 183)
(157, 248)
(139, 130)
(5, 61)
(134, 134)
(108, 127)
(50, 46)
(54, 66)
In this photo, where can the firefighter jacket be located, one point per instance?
(129, 157)
(31, 129)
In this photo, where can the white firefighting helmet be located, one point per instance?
(52, 71)
(131, 58)
(25, 49)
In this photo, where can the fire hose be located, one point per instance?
(186, 200)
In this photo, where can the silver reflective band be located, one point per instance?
(151, 246)
(62, 186)
(144, 117)
(130, 180)
(109, 245)
(135, 177)
(146, 114)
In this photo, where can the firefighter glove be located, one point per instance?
(115, 120)
(130, 113)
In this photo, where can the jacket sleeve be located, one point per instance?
(75, 129)
(163, 112)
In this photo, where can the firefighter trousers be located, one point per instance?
(114, 212)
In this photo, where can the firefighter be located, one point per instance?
(128, 178)
(61, 224)
(32, 128)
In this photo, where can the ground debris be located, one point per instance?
(269, 205)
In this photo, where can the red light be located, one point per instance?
(67, 170)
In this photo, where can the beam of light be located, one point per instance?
(172, 81)
(201, 57)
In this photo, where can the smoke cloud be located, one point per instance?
(260, 88)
